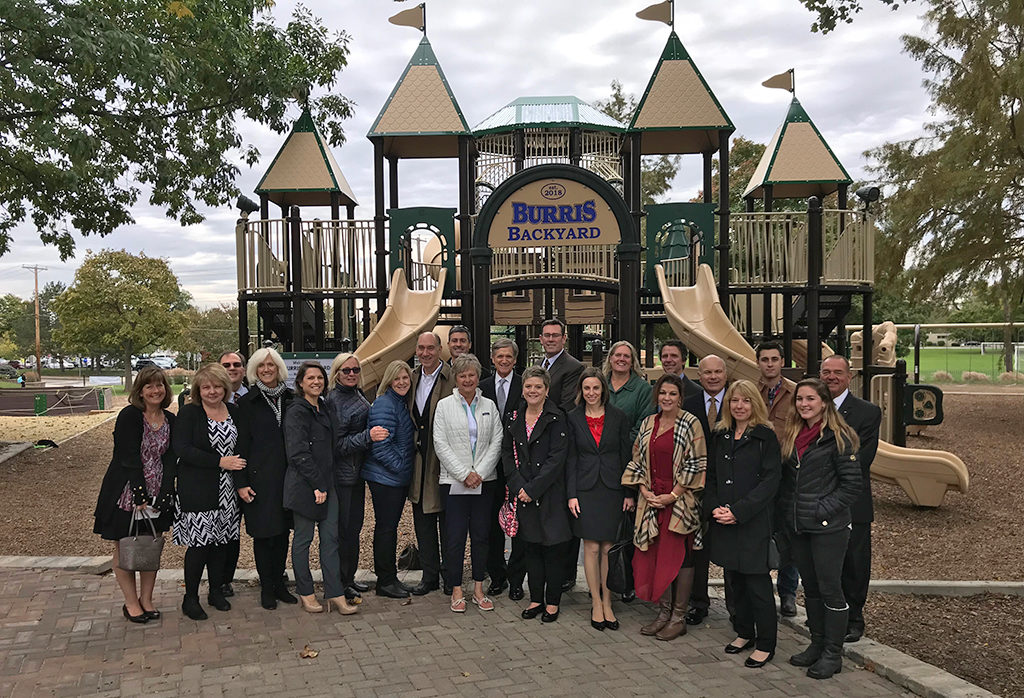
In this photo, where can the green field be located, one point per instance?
(956, 360)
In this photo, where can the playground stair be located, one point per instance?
(277, 318)
(832, 310)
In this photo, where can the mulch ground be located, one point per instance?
(47, 498)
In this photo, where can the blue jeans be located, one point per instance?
(329, 561)
(789, 579)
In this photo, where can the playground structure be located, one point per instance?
(550, 222)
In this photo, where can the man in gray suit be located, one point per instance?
(564, 368)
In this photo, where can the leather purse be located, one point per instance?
(508, 519)
(140, 552)
(619, 561)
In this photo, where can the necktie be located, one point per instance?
(547, 364)
(712, 412)
(502, 394)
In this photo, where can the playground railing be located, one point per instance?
(262, 256)
(768, 248)
(849, 241)
(593, 262)
(338, 255)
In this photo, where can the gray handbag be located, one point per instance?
(140, 552)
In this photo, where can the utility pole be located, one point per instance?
(39, 359)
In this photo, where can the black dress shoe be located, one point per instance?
(568, 585)
(153, 615)
(597, 624)
(191, 608)
(629, 596)
(352, 595)
(141, 618)
(282, 594)
(360, 587)
(611, 624)
(854, 633)
(754, 664)
(497, 588)
(516, 594)
(267, 599)
(531, 613)
(217, 600)
(549, 617)
(425, 588)
(696, 616)
(448, 589)
(227, 590)
(787, 606)
(736, 649)
(394, 590)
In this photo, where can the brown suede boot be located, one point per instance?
(676, 625)
(664, 613)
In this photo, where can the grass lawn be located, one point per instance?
(956, 360)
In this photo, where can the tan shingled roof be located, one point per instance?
(299, 165)
(803, 156)
(678, 99)
(420, 105)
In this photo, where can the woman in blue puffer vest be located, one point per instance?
(388, 470)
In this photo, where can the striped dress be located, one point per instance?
(221, 525)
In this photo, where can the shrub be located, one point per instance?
(1011, 377)
(975, 377)
(31, 376)
(942, 377)
(179, 376)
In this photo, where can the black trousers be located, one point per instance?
(857, 570)
(351, 509)
(430, 539)
(754, 605)
(517, 563)
(545, 565)
(467, 513)
(819, 557)
(210, 557)
(388, 502)
(231, 552)
(699, 598)
(271, 554)
(572, 559)
(497, 568)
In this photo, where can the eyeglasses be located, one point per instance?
(357, 370)
(237, 364)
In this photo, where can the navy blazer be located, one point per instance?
(590, 462)
(488, 386)
(565, 380)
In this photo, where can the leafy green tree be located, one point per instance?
(956, 195)
(23, 323)
(656, 171)
(103, 99)
(212, 331)
(121, 304)
(830, 13)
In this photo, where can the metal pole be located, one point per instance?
(899, 385)
(723, 219)
(380, 237)
(295, 254)
(813, 290)
(866, 345)
(917, 353)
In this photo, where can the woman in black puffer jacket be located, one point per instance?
(350, 409)
(820, 480)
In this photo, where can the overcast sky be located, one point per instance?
(856, 84)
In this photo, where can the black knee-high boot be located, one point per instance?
(831, 660)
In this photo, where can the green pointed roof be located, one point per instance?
(421, 118)
(304, 172)
(678, 112)
(797, 162)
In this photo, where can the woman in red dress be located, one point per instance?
(668, 464)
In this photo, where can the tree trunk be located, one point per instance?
(127, 370)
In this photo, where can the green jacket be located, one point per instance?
(634, 398)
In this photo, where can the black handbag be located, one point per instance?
(140, 552)
(619, 557)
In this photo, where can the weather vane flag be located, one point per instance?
(659, 12)
(782, 81)
(413, 17)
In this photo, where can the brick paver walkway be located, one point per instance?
(62, 633)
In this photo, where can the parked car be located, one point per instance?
(139, 363)
(15, 363)
(8, 371)
(164, 362)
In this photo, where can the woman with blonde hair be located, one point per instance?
(629, 389)
(207, 517)
(260, 486)
(350, 407)
(388, 471)
(742, 481)
(814, 516)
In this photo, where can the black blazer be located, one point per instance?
(565, 380)
(694, 404)
(590, 462)
(309, 440)
(198, 464)
(818, 488)
(541, 473)
(126, 465)
(865, 418)
(489, 388)
(261, 443)
(744, 474)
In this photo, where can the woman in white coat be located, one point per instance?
(467, 441)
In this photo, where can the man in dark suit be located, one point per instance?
(673, 354)
(460, 342)
(707, 407)
(505, 388)
(431, 381)
(563, 367)
(865, 418)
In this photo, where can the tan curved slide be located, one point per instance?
(408, 314)
(800, 352)
(696, 316)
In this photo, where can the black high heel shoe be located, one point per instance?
(141, 618)
(755, 664)
(597, 624)
(736, 649)
(611, 624)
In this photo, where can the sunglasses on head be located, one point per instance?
(357, 370)
(237, 364)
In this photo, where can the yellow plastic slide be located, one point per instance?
(696, 316)
(408, 314)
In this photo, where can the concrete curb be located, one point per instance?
(84, 564)
(13, 449)
(935, 587)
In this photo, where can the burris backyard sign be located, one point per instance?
(551, 212)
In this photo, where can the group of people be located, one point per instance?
(752, 477)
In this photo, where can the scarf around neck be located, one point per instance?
(272, 396)
(806, 437)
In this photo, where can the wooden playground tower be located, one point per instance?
(791, 275)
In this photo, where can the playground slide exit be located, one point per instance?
(696, 316)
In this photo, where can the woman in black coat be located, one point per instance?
(260, 484)
(742, 481)
(533, 457)
(309, 440)
(207, 515)
(350, 408)
(814, 516)
(599, 448)
(139, 482)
